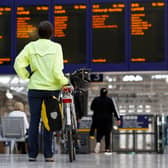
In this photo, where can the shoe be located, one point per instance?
(49, 159)
(32, 159)
(97, 148)
(108, 152)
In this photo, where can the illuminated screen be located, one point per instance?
(70, 31)
(5, 35)
(28, 18)
(108, 33)
(147, 31)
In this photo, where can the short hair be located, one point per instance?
(103, 92)
(45, 29)
(19, 106)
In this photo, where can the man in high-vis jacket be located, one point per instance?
(45, 59)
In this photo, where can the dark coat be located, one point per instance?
(103, 110)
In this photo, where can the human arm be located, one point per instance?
(93, 105)
(118, 122)
(20, 64)
(116, 113)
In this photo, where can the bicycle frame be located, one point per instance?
(69, 121)
(68, 105)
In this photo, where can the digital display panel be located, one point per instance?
(108, 27)
(5, 35)
(147, 31)
(70, 31)
(28, 18)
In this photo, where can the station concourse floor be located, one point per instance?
(87, 161)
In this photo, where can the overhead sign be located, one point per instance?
(134, 122)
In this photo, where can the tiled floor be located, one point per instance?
(88, 161)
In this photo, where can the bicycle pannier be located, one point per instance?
(51, 114)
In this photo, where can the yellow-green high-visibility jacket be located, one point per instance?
(46, 62)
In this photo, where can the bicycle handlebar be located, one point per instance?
(68, 89)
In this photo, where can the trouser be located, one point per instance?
(107, 134)
(92, 128)
(35, 98)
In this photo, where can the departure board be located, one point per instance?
(147, 31)
(28, 18)
(5, 35)
(108, 27)
(70, 31)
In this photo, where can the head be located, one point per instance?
(19, 106)
(45, 29)
(103, 92)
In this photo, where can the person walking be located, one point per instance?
(103, 109)
(46, 78)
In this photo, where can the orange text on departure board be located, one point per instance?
(3, 11)
(66, 61)
(24, 28)
(138, 23)
(99, 60)
(138, 59)
(61, 19)
(102, 14)
(2, 60)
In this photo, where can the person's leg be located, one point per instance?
(107, 140)
(92, 129)
(48, 135)
(99, 136)
(35, 114)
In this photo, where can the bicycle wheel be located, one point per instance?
(70, 145)
(74, 139)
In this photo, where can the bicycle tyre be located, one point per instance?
(70, 144)
(74, 136)
(74, 152)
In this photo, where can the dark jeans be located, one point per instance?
(35, 98)
(106, 133)
(92, 128)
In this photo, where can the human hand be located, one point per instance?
(118, 122)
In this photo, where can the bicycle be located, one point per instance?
(69, 122)
(78, 79)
